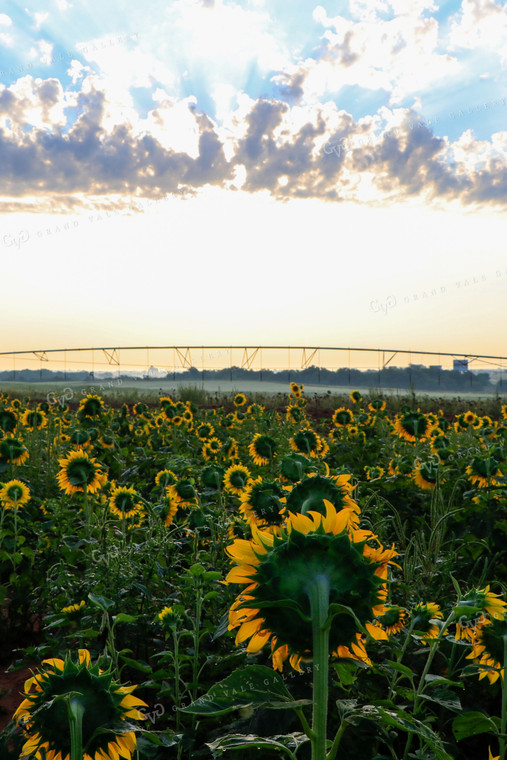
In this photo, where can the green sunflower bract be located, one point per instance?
(105, 706)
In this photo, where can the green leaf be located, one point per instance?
(212, 575)
(287, 742)
(100, 601)
(403, 721)
(136, 664)
(346, 672)
(400, 668)
(472, 723)
(123, 618)
(253, 685)
(197, 570)
(449, 701)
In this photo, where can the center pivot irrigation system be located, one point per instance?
(158, 362)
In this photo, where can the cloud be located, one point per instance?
(480, 23)
(69, 146)
(5, 20)
(399, 54)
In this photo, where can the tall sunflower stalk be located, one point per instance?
(311, 588)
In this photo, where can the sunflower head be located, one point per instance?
(13, 451)
(165, 478)
(294, 467)
(342, 417)
(306, 442)
(413, 425)
(425, 475)
(355, 397)
(14, 494)
(239, 399)
(91, 406)
(281, 573)
(312, 491)
(212, 477)
(125, 502)
(34, 419)
(488, 649)
(423, 615)
(261, 504)
(79, 471)
(106, 706)
(236, 479)
(262, 449)
(183, 493)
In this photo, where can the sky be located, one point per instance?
(255, 172)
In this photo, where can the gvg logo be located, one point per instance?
(383, 307)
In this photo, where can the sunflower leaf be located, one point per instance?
(472, 723)
(253, 685)
(287, 742)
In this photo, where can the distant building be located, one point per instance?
(460, 365)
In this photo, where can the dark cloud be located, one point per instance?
(290, 86)
(61, 167)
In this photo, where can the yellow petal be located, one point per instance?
(84, 656)
(257, 642)
(247, 629)
(376, 633)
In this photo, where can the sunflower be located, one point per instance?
(124, 502)
(80, 437)
(106, 441)
(254, 409)
(312, 492)
(236, 479)
(14, 494)
(425, 475)
(355, 397)
(213, 477)
(204, 431)
(377, 405)
(488, 649)
(165, 478)
(230, 449)
(393, 467)
(294, 467)
(79, 472)
(295, 390)
(373, 473)
(211, 448)
(34, 420)
(105, 707)
(239, 399)
(13, 451)
(261, 504)
(306, 442)
(8, 420)
(262, 449)
(295, 414)
(413, 425)
(393, 620)
(168, 511)
(167, 617)
(423, 613)
(311, 550)
(342, 417)
(90, 406)
(183, 493)
(73, 608)
(484, 472)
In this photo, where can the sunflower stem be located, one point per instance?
(318, 593)
(75, 711)
(503, 724)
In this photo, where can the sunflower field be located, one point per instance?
(182, 581)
